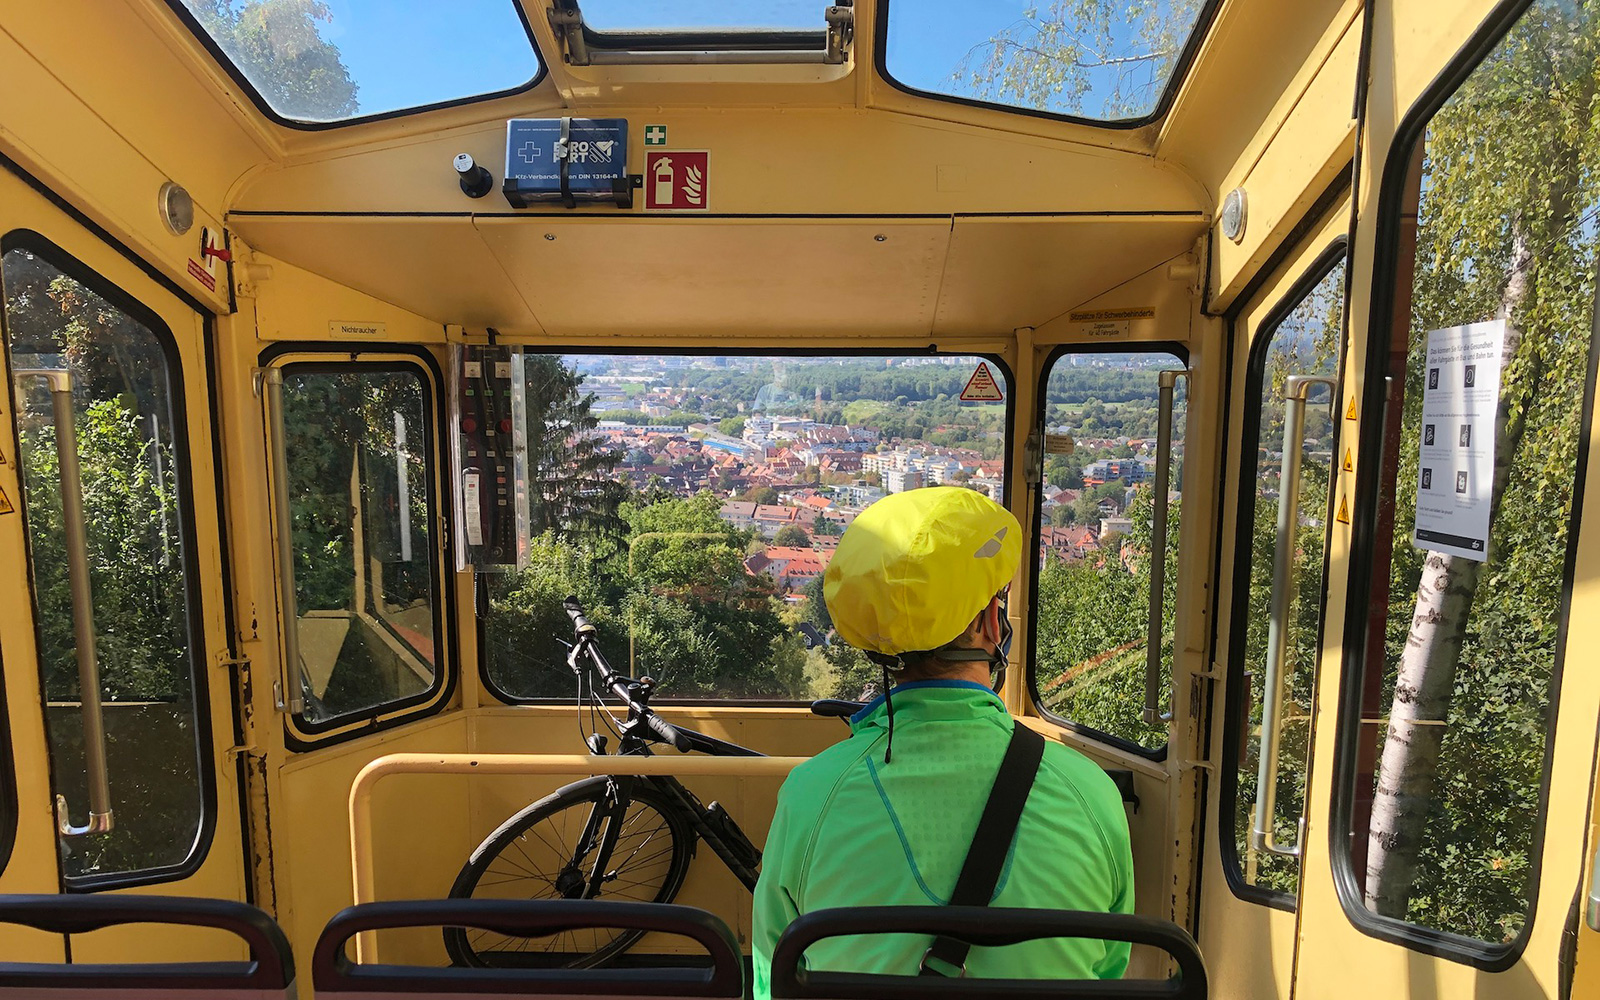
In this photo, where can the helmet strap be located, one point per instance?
(888, 703)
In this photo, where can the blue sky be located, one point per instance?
(406, 53)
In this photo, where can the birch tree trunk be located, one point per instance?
(1419, 714)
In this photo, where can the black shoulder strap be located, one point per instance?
(980, 873)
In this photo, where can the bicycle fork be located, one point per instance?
(598, 841)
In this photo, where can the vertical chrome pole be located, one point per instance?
(290, 697)
(1295, 390)
(83, 634)
(1158, 552)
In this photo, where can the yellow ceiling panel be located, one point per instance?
(1006, 272)
(725, 277)
(435, 267)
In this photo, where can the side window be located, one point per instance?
(72, 346)
(1303, 339)
(1097, 513)
(358, 440)
(1469, 514)
(694, 503)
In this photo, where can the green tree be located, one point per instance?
(279, 46)
(572, 491)
(1098, 58)
(792, 535)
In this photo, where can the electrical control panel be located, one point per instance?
(488, 397)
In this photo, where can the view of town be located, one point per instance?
(794, 460)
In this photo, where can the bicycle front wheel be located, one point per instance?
(553, 850)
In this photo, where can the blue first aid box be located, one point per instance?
(595, 152)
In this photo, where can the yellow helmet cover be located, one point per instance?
(914, 569)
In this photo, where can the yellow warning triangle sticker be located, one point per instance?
(1350, 411)
(981, 387)
(1349, 466)
(5, 502)
(1344, 511)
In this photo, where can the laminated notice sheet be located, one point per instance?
(1455, 472)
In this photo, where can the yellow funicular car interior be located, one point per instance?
(344, 339)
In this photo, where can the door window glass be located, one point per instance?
(1091, 643)
(1471, 525)
(693, 503)
(360, 477)
(1303, 341)
(129, 448)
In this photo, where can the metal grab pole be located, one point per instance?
(1295, 390)
(94, 726)
(291, 697)
(1158, 552)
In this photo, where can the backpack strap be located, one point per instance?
(980, 873)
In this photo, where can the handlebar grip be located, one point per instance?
(574, 610)
(667, 731)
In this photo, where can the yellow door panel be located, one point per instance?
(90, 334)
(1452, 744)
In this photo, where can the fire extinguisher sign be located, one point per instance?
(677, 180)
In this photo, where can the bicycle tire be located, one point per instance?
(559, 818)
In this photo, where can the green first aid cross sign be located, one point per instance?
(655, 135)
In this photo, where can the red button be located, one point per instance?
(468, 425)
(505, 426)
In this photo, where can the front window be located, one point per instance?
(693, 504)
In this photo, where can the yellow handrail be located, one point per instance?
(361, 791)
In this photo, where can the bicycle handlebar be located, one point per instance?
(618, 684)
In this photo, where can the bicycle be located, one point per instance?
(567, 844)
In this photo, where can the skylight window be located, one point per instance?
(322, 62)
(1112, 62)
(594, 32)
(676, 16)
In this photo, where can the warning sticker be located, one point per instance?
(1350, 411)
(677, 181)
(1343, 517)
(198, 272)
(1110, 323)
(1349, 466)
(981, 387)
(5, 503)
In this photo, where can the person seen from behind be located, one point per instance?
(887, 817)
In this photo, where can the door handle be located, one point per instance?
(94, 727)
(1262, 838)
(1158, 551)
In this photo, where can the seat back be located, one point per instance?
(981, 927)
(268, 975)
(336, 977)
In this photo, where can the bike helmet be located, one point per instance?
(915, 568)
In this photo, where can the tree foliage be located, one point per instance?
(279, 45)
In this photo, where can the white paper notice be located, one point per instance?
(472, 504)
(1455, 474)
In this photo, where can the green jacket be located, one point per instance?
(852, 831)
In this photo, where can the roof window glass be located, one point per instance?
(328, 61)
(606, 16)
(1107, 61)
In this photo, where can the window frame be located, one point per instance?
(1169, 93)
(480, 592)
(1392, 197)
(322, 357)
(1030, 670)
(200, 687)
(1336, 253)
(237, 75)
